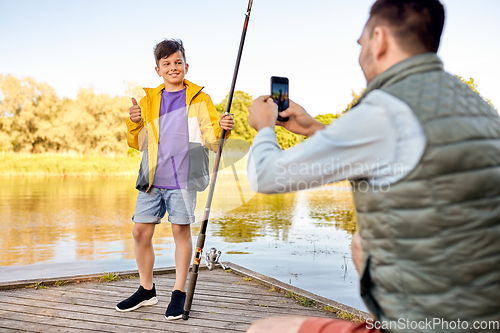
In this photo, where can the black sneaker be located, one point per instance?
(175, 308)
(140, 298)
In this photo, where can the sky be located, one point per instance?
(107, 44)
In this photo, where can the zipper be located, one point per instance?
(191, 100)
(152, 124)
(187, 110)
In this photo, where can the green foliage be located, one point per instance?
(470, 83)
(61, 165)
(304, 301)
(37, 285)
(242, 130)
(348, 316)
(134, 153)
(98, 122)
(326, 119)
(239, 109)
(473, 86)
(28, 110)
(341, 314)
(109, 277)
(330, 309)
(287, 139)
(355, 98)
(33, 119)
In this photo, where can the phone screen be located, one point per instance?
(279, 92)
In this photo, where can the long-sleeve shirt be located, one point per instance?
(380, 140)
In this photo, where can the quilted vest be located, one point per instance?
(431, 241)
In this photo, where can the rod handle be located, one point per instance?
(190, 291)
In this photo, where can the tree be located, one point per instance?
(239, 109)
(98, 122)
(326, 119)
(355, 98)
(241, 130)
(473, 86)
(470, 83)
(34, 119)
(287, 139)
(28, 109)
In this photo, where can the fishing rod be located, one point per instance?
(201, 237)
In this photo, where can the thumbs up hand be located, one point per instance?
(135, 111)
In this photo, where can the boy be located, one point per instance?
(173, 124)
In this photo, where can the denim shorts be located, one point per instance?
(151, 206)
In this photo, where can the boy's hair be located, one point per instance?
(166, 48)
(417, 24)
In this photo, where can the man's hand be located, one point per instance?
(135, 111)
(300, 121)
(262, 113)
(226, 122)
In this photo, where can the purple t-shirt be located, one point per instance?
(173, 162)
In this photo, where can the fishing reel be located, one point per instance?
(212, 259)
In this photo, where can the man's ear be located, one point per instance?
(187, 67)
(381, 42)
(157, 71)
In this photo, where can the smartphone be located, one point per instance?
(279, 94)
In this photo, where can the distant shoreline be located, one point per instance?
(47, 165)
(65, 175)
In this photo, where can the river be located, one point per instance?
(51, 227)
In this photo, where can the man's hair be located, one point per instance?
(416, 24)
(168, 47)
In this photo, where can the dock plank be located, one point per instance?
(201, 306)
(122, 293)
(223, 302)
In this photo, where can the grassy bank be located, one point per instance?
(60, 165)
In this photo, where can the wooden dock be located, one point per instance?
(224, 301)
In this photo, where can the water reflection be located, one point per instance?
(300, 238)
(263, 215)
(339, 210)
(54, 220)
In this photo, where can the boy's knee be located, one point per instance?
(142, 231)
(181, 231)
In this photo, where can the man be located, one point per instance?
(422, 152)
